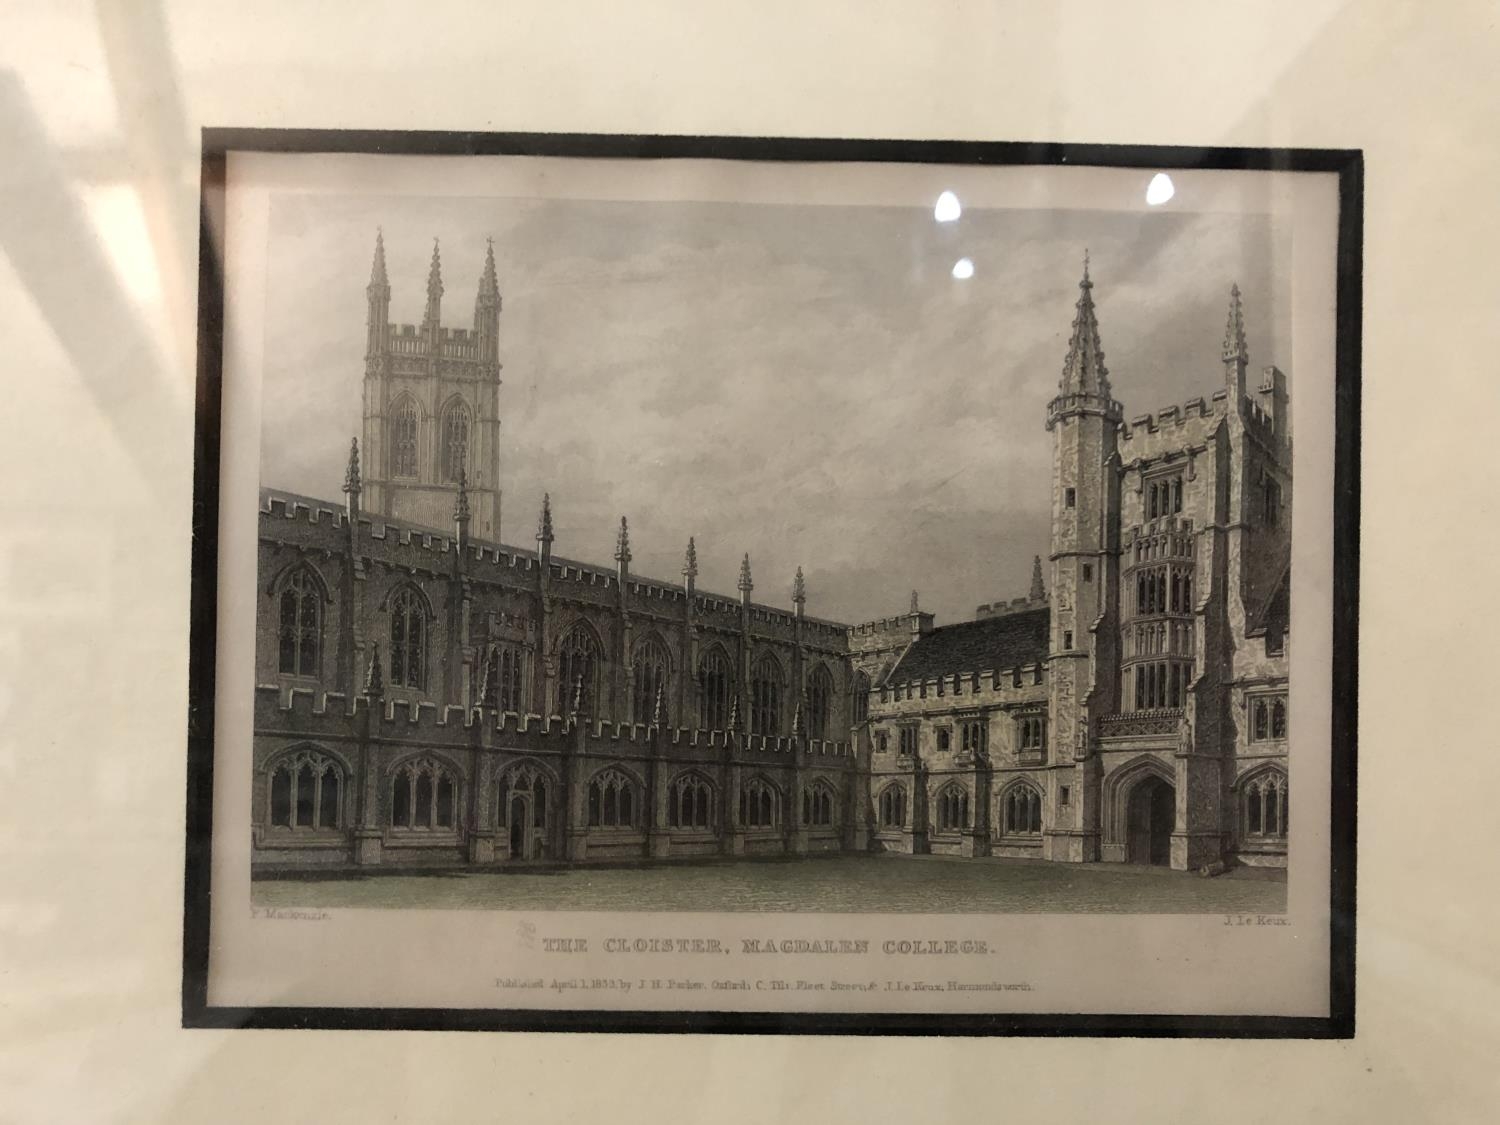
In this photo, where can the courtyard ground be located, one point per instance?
(835, 884)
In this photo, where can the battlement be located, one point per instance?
(453, 343)
(1015, 605)
(1173, 417)
(276, 506)
(983, 686)
(303, 712)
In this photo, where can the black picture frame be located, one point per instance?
(1346, 164)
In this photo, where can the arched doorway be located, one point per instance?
(1150, 817)
(521, 811)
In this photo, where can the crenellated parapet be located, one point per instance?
(977, 688)
(304, 713)
(1191, 422)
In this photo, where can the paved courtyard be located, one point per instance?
(840, 884)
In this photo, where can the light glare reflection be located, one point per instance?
(1160, 189)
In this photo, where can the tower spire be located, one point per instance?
(434, 289)
(374, 682)
(489, 284)
(544, 524)
(1038, 591)
(378, 278)
(690, 561)
(1236, 355)
(622, 544)
(461, 501)
(745, 584)
(799, 590)
(1234, 330)
(1084, 372)
(351, 474)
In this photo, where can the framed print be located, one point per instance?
(712, 584)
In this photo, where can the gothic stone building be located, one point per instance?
(434, 697)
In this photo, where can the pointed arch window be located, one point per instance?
(300, 628)
(715, 675)
(819, 703)
(577, 671)
(408, 639)
(1268, 718)
(1263, 810)
(404, 440)
(500, 678)
(455, 441)
(424, 796)
(765, 697)
(690, 803)
(862, 697)
(306, 792)
(648, 679)
(613, 800)
(893, 806)
(953, 808)
(1021, 811)
(818, 805)
(760, 804)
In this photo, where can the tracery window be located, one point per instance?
(1161, 683)
(953, 808)
(893, 806)
(306, 792)
(404, 440)
(1033, 732)
(690, 803)
(975, 736)
(1267, 718)
(524, 779)
(861, 697)
(408, 639)
(817, 805)
(648, 679)
(1021, 811)
(819, 702)
(455, 441)
(613, 800)
(500, 676)
(1163, 589)
(1264, 806)
(715, 675)
(909, 735)
(765, 697)
(577, 671)
(760, 804)
(301, 624)
(1163, 497)
(424, 796)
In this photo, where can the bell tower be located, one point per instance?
(1085, 516)
(432, 405)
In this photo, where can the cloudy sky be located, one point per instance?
(810, 384)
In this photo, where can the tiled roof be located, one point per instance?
(1009, 641)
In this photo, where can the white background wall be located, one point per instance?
(99, 111)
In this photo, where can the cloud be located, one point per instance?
(809, 384)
